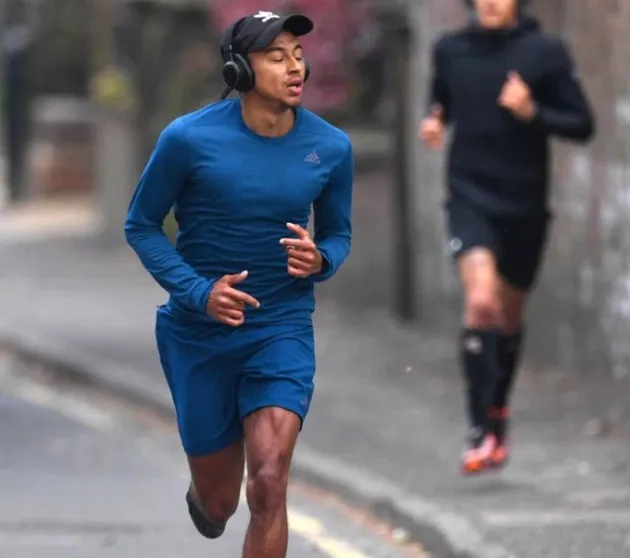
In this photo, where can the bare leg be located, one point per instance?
(270, 437)
(215, 488)
(482, 321)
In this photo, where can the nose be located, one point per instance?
(296, 66)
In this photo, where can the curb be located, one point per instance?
(441, 532)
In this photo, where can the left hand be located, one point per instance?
(516, 96)
(304, 257)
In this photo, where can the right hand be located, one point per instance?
(227, 304)
(432, 129)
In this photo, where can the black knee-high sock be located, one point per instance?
(510, 348)
(479, 356)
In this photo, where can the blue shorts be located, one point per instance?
(218, 376)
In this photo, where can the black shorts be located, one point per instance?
(518, 242)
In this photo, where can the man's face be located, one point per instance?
(496, 14)
(279, 70)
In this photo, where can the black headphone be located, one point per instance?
(237, 71)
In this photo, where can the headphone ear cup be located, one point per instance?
(246, 75)
(231, 74)
(307, 70)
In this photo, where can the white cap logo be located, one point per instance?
(266, 16)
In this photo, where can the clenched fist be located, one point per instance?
(304, 259)
(516, 96)
(226, 303)
(432, 129)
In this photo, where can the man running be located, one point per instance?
(235, 338)
(506, 88)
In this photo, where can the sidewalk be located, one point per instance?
(386, 424)
(4, 193)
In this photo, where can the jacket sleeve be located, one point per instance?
(438, 89)
(161, 182)
(563, 110)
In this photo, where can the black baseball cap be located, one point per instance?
(257, 31)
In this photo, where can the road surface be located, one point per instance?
(83, 475)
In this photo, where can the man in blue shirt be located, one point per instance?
(235, 338)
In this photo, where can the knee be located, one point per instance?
(483, 308)
(513, 317)
(266, 490)
(512, 324)
(219, 507)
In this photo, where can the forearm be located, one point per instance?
(334, 251)
(159, 186)
(438, 95)
(168, 268)
(573, 125)
(438, 103)
(564, 109)
(333, 214)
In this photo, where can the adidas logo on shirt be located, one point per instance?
(313, 158)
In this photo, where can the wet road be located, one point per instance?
(83, 475)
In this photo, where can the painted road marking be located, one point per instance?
(30, 391)
(590, 497)
(314, 532)
(546, 518)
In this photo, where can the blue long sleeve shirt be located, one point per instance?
(233, 192)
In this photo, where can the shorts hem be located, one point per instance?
(301, 414)
(523, 286)
(475, 246)
(220, 444)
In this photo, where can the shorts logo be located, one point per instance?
(266, 17)
(455, 244)
(473, 345)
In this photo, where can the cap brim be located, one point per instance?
(296, 24)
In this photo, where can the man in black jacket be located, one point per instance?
(506, 88)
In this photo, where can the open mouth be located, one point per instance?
(295, 87)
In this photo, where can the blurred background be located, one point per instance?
(87, 86)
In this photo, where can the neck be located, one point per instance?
(502, 28)
(265, 118)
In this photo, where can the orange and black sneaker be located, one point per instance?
(500, 422)
(477, 457)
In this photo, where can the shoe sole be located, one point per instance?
(476, 468)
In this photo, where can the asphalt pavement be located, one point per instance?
(386, 425)
(84, 475)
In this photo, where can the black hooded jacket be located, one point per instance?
(495, 161)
